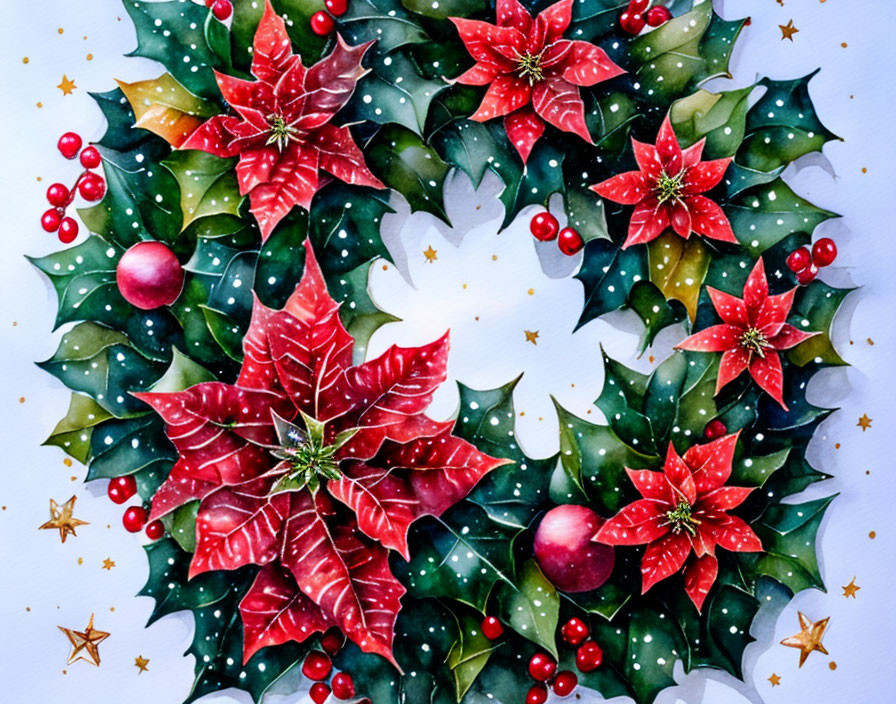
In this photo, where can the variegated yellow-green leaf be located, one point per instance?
(208, 188)
(678, 267)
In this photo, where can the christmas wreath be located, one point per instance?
(297, 498)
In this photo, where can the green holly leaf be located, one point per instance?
(181, 374)
(181, 525)
(595, 18)
(585, 212)
(782, 126)
(119, 120)
(534, 184)
(358, 312)
(739, 178)
(468, 145)
(217, 37)
(622, 402)
(469, 653)
(756, 471)
(678, 267)
(608, 274)
(654, 310)
(281, 261)
(720, 118)
(72, 433)
(531, 607)
(383, 21)
(445, 8)
(697, 405)
(123, 447)
(609, 118)
(652, 640)
(208, 191)
(247, 14)
(226, 332)
(814, 310)
(664, 390)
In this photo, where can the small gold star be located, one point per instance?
(108, 563)
(61, 518)
(531, 336)
(141, 663)
(87, 640)
(809, 637)
(864, 422)
(775, 680)
(788, 30)
(430, 254)
(850, 589)
(67, 85)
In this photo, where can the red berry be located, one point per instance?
(337, 8)
(544, 226)
(209, 3)
(68, 230)
(632, 22)
(332, 641)
(322, 24)
(222, 10)
(50, 220)
(134, 519)
(492, 628)
(92, 187)
(343, 685)
(570, 241)
(574, 631)
(155, 530)
(69, 145)
(565, 552)
(542, 667)
(537, 694)
(658, 15)
(149, 275)
(319, 692)
(317, 666)
(715, 429)
(638, 5)
(799, 259)
(90, 158)
(589, 656)
(57, 195)
(807, 275)
(824, 252)
(122, 488)
(564, 683)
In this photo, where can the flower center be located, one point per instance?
(669, 187)
(311, 460)
(530, 67)
(282, 133)
(681, 518)
(754, 341)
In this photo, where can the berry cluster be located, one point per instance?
(121, 489)
(318, 666)
(805, 264)
(89, 184)
(221, 9)
(544, 227)
(637, 15)
(322, 23)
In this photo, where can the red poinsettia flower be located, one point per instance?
(666, 191)
(283, 130)
(684, 511)
(533, 74)
(753, 332)
(314, 469)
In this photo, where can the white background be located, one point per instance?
(44, 583)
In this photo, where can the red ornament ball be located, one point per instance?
(567, 555)
(574, 631)
(343, 685)
(715, 429)
(68, 230)
(69, 145)
(570, 241)
(537, 694)
(824, 252)
(322, 24)
(589, 656)
(92, 187)
(337, 8)
(544, 226)
(155, 530)
(799, 259)
(57, 194)
(317, 666)
(807, 275)
(492, 628)
(319, 692)
(332, 641)
(121, 489)
(658, 15)
(134, 519)
(50, 220)
(542, 667)
(222, 10)
(149, 275)
(632, 22)
(90, 158)
(565, 683)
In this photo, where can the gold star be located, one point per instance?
(141, 663)
(809, 637)
(788, 30)
(108, 563)
(430, 254)
(67, 85)
(531, 336)
(61, 518)
(850, 589)
(775, 680)
(864, 422)
(87, 640)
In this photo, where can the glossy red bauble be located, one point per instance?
(564, 683)
(317, 666)
(222, 10)
(69, 145)
(343, 685)
(632, 22)
(537, 694)
(544, 226)
(121, 489)
(322, 24)
(569, 241)
(799, 259)
(319, 692)
(149, 275)
(337, 8)
(332, 641)
(574, 631)
(824, 252)
(492, 628)
(50, 220)
(658, 15)
(542, 667)
(567, 555)
(807, 275)
(155, 530)
(134, 519)
(92, 187)
(715, 429)
(589, 656)
(57, 194)
(68, 230)
(90, 158)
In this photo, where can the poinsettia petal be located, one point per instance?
(640, 522)
(648, 159)
(510, 13)
(734, 362)
(717, 338)
(692, 155)
(240, 93)
(769, 375)
(214, 137)
(699, 577)
(789, 336)
(730, 308)
(341, 156)
(710, 462)
(581, 63)
(255, 167)
(274, 611)
(651, 485)
(668, 148)
(704, 176)
(679, 475)
(737, 536)
(293, 181)
(258, 370)
(663, 558)
(491, 46)
(755, 291)
(628, 188)
(680, 219)
(329, 84)
(559, 103)
(524, 128)
(725, 498)
(649, 220)
(179, 488)
(271, 49)
(480, 74)
(505, 95)
(773, 313)
(556, 19)
(708, 219)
